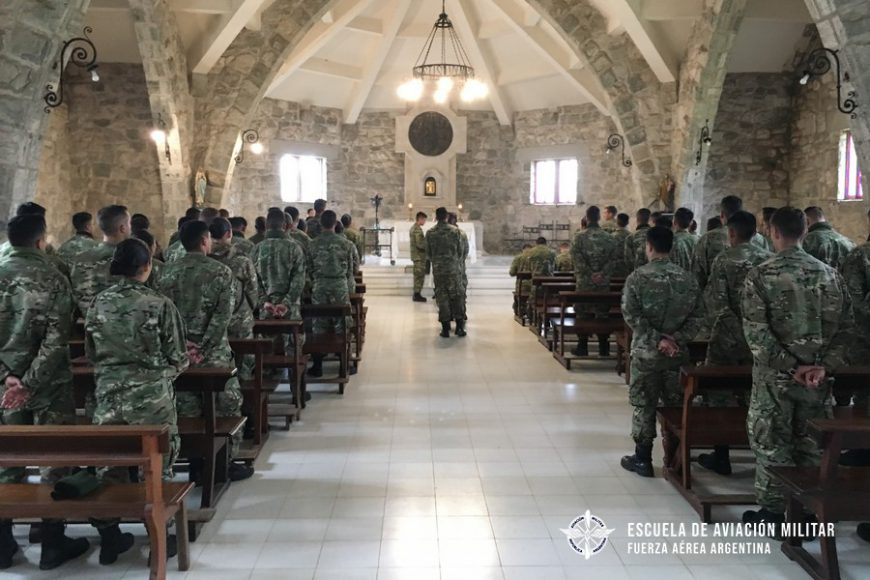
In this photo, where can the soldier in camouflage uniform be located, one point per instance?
(662, 305)
(727, 345)
(330, 261)
(635, 244)
(594, 254)
(156, 265)
(856, 273)
(203, 291)
(609, 224)
(766, 214)
(134, 337)
(621, 234)
(36, 309)
(444, 250)
(175, 250)
(90, 269)
(314, 227)
(192, 213)
(796, 318)
(453, 220)
(83, 224)
(418, 255)
(260, 227)
(541, 261)
(352, 234)
(293, 231)
(31, 208)
(234, 257)
(684, 242)
(520, 263)
(563, 258)
(823, 242)
(239, 225)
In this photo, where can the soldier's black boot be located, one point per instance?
(603, 345)
(445, 330)
(113, 543)
(718, 461)
(460, 328)
(419, 297)
(855, 458)
(239, 472)
(765, 516)
(316, 369)
(582, 348)
(57, 548)
(641, 462)
(8, 545)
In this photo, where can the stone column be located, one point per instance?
(844, 25)
(31, 36)
(702, 77)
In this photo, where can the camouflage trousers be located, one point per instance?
(246, 367)
(654, 378)
(331, 294)
(779, 411)
(727, 347)
(149, 404)
(421, 268)
(229, 404)
(449, 296)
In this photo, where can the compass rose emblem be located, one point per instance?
(587, 534)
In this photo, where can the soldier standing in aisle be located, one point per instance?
(444, 249)
(418, 255)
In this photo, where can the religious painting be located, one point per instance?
(430, 187)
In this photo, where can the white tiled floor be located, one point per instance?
(449, 459)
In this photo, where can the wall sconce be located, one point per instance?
(251, 137)
(160, 136)
(411, 211)
(703, 141)
(459, 212)
(818, 64)
(82, 53)
(614, 141)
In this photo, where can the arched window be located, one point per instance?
(303, 178)
(849, 172)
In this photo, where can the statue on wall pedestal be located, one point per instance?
(666, 194)
(199, 186)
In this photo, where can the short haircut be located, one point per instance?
(193, 213)
(441, 214)
(661, 239)
(328, 219)
(767, 213)
(224, 213)
(421, 214)
(612, 209)
(664, 221)
(145, 236)
(192, 234)
(622, 220)
(319, 205)
(564, 245)
(139, 221)
(30, 208)
(81, 220)
(24, 231)
(683, 217)
(346, 220)
(814, 213)
(111, 218)
(714, 223)
(593, 214)
(339, 228)
(183, 220)
(730, 205)
(208, 214)
(238, 223)
(130, 256)
(790, 222)
(541, 241)
(275, 219)
(219, 228)
(302, 226)
(743, 224)
(292, 211)
(260, 224)
(643, 215)
(527, 246)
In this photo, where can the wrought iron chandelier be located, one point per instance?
(454, 69)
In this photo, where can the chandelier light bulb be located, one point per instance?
(158, 136)
(441, 97)
(445, 84)
(411, 90)
(805, 79)
(474, 90)
(257, 148)
(95, 76)
(467, 95)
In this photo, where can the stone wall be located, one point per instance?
(749, 154)
(54, 184)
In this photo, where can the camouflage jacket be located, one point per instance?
(593, 250)
(89, 274)
(257, 238)
(824, 243)
(711, 245)
(609, 226)
(176, 236)
(635, 248)
(246, 246)
(355, 238)
(36, 308)
(418, 243)
(156, 271)
(50, 255)
(621, 269)
(466, 249)
(683, 250)
(519, 264)
(314, 228)
(174, 252)
(564, 263)
(541, 260)
(796, 310)
(280, 266)
(75, 246)
(245, 297)
(300, 238)
(444, 250)
(202, 290)
(134, 336)
(856, 273)
(661, 299)
(330, 261)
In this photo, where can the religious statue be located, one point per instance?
(200, 183)
(430, 188)
(666, 195)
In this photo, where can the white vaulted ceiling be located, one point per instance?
(355, 57)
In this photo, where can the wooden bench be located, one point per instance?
(357, 308)
(521, 298)
(830, 492)
(283, 332)
(255, 397)
(697, 352)
(152, 501)
(567, 322)
(546, 290)
(330, 343)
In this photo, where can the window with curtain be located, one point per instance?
(554, 182)
(850, 174)
(303, 178)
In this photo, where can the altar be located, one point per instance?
(402, 237)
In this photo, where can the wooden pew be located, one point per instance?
(357, 302)
(697, 352)
(295, 363)
(256, 397)
(331, 343)
(546, 289)
(521, 298)
(567, 322)
(152, 501)
(830, 492)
